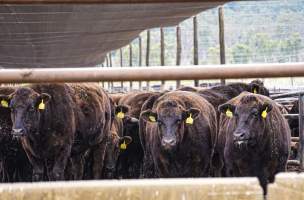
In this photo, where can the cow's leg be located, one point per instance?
(77, 167)
(148, 166)
(99, 152)
(38, 168)
(60, 162)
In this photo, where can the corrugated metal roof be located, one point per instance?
(79, 35)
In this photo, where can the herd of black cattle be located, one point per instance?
(52, 132)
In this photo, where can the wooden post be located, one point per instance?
(107, 65)
(110, 58)
(110, 65)
(178, 52)
(140, 59)
(121, 64)
(130, 63)
(162, 54)
(301, 131)
(107, 61)
(195, 47)
(148, 56)
(222, 39)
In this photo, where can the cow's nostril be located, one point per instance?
(242, 135)
(239, 136)
(168, 141)
(19, 130)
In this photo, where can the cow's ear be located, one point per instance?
(265, 109)
(121, 110)
(254, 88)
(42, 100)
(124, 142)
(5, 100)
(148, 115)
(190, 115)
(227, 109)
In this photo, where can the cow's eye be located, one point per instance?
(31, 108)
(178, 121)
(255, 114)
(160, 122)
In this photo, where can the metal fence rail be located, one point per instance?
(152, 73)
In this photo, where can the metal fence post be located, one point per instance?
(222, 39)
(301, 131)
(195, 47)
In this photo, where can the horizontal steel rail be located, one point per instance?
(151, 73)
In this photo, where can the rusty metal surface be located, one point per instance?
(80, 35)
(151, 73)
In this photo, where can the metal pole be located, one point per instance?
(140, 58)
(110, 61)
(222, 39)
(95, 74)
(130, 63)
(195, 47)
(101, 1)
(162, 54)
(107, 61)
(121, 64)
(148, 56)
(178, 52)
(301, 131)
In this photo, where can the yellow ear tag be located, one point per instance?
(264, 113)
(123, 146)
(255, 91)
(120, 115)
(189, 120)
(4, 104)
(229, 113)
(152, 118)
(41, 105)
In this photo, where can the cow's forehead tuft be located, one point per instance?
(24, 94)
(24, 91)
(247, 99)
(168, 104)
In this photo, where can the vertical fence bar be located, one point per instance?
(110, 59)
(140, 59)
(121, 64)
(148, 55)
(301, 131)
(107, 65)
(222, 39)
(195, 47)
(178, 52)
(107, 61)
(162, 54)
(110, 64)
(131, 63)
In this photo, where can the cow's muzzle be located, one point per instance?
(18, 132)
(168, 143)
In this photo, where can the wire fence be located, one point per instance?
(255, 32)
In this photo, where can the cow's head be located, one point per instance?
(171, 119)
(26, 106)
(115, 147)
(248, 118)
(257, 87)
(130, 123)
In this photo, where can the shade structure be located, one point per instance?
(47, 34)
